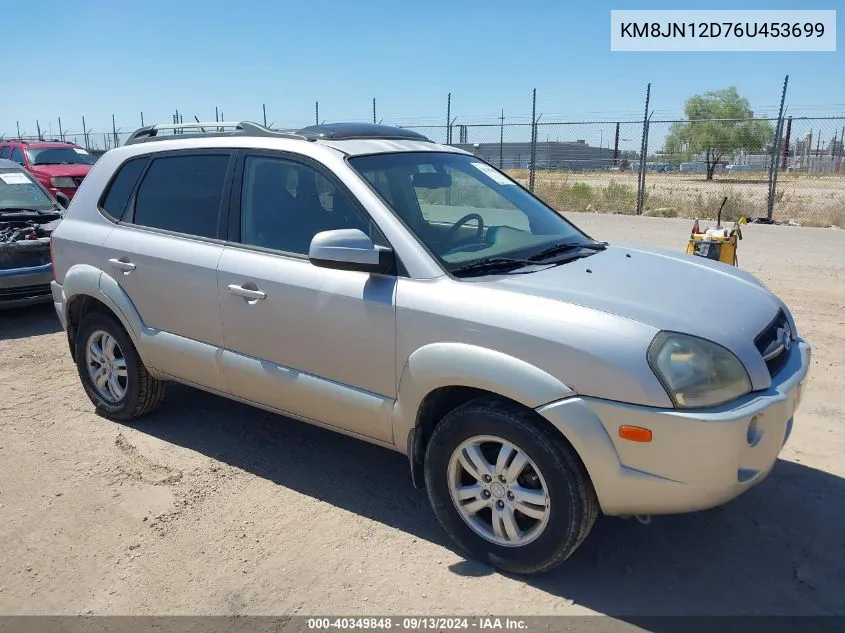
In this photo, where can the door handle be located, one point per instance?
(246, 293)
(122, 264)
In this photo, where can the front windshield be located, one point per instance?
(463, 210)
(59, 156)
(19, 191)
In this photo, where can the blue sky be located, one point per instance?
(98, 58)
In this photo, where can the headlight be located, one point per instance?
(63, 181)
(696, 372)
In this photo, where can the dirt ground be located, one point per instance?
(210, 507)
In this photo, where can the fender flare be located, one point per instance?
(84, 279)
(463, 365)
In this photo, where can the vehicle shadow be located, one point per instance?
(34, 320)
(777, 550)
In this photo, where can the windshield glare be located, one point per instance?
(59, 156)
(462, 209)
(18, 190)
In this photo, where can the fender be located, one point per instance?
(462, 365)
(83, 279)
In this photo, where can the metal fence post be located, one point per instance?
(449, 119)
(532, 166)
(502, 141)
(643, 150)
(773, 168)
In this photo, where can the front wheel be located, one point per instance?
(509, 491)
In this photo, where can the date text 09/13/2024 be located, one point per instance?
(417, 623)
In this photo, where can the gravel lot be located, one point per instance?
(210, 507)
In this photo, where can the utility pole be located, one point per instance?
(114, 130)
(264, 112)
(316, 113)
(61, 133)
(374, 109)
(18, 125)
(142, 119)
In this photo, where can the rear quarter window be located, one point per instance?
(120, 190)
(183, 194)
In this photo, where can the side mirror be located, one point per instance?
(350, 249)
(62, 199)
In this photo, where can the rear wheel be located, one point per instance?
(113, 375)
(509, 491)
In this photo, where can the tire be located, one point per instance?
(142, 393)
(571, 504)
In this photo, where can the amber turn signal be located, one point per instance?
(634, 433)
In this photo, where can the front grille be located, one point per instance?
(24, 292)
(774, 343)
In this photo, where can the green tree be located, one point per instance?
(718, 123)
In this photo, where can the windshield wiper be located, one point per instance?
(563, 247)
(490, 264)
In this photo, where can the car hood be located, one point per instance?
(663, 289)
(74, 171)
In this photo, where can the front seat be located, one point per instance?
(272, 216)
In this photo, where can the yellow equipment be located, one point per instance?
(716, 243)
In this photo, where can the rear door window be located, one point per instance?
(5, 152)
(116, 198)
(183, 193)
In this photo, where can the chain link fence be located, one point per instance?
(680, 169)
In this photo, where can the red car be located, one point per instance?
(58, 166)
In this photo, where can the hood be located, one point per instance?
(663, 289)
(74, 171)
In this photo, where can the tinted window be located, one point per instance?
(183, 194)
(121, 187)
(17, 156)
(284, 204)
(6, 151)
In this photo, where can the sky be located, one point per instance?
(97, 58)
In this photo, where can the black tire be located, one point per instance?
(573, 503)
(143, 392)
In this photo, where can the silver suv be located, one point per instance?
(368, 280)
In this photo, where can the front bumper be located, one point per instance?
(696, 459)
(21, 287)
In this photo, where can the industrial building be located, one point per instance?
(573, 155)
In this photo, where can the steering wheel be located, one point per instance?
(450, 234)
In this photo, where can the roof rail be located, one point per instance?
(209, 128)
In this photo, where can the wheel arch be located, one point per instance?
(438, 378)
(87, 289)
